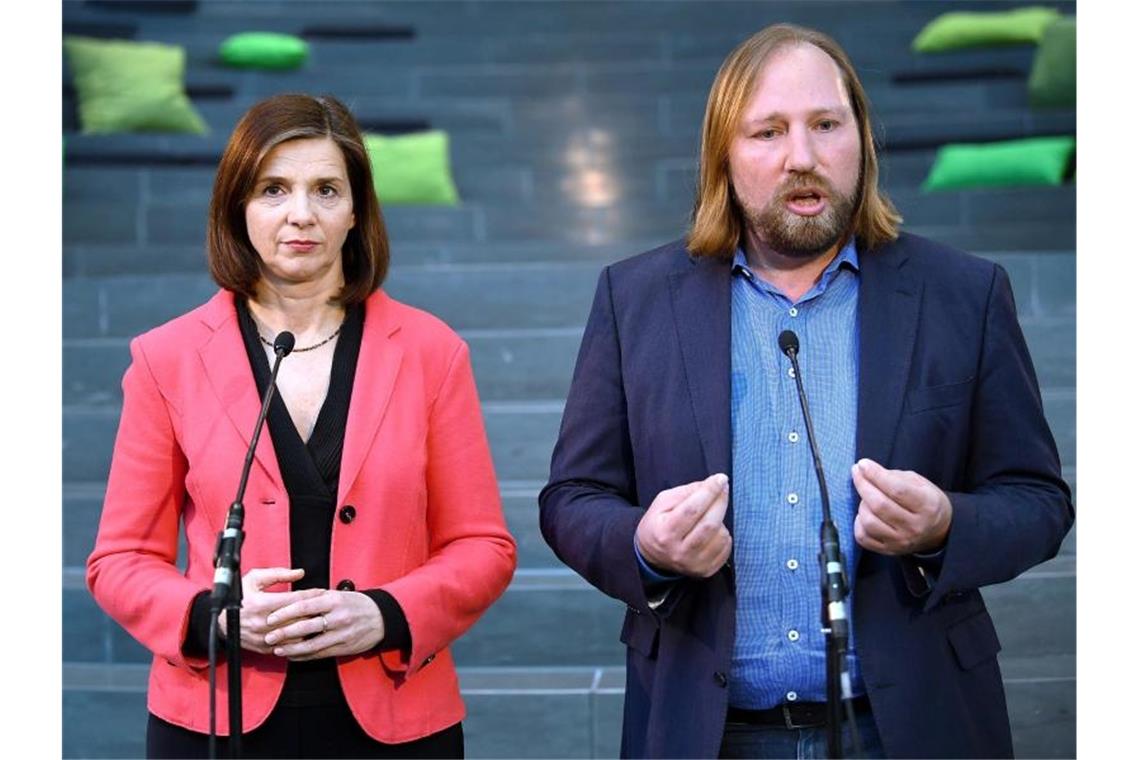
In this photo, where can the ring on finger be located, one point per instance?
(324, 623)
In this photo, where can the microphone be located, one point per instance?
(283, 343)
(227, 556)
(789, 344)
(833, 578)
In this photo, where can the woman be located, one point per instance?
(374, 530)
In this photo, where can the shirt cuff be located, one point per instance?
(650, 577)
(197, 641)
(397, 635)
(931, 561)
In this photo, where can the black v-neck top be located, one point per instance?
(311, 472)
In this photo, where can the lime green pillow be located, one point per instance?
(412, 169)
(126, 86)
(1032, 161)
(264, 50)
(1053, 81)
(959, 29)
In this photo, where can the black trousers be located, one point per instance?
(306, 731)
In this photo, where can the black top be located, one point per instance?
(311, 472)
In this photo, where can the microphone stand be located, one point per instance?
(833, 583)
(227, 577)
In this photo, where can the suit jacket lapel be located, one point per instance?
(228, 372)
(889, 302)
(702, 313)
(376, 370)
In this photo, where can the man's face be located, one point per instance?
(796, 157)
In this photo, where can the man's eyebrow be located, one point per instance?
(839, 109)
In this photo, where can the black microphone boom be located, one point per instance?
(833, 579)
(227, 556)
(227, 570)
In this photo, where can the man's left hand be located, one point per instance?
(901, 512)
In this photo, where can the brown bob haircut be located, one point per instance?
(717, 223)
(234, 263)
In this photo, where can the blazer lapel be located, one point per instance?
(702, 313)
(376, 370)
(227, 369)
(889, 302)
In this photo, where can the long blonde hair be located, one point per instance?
(717, 223)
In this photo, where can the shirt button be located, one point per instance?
(791, 696)
(720, 678)
(793, 311)
(792, 564)
(793, 498)
(793, 635)
(794, 437)
(791, 371)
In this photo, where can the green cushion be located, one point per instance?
(959, 29)
(412, 168)
(1032, 161)
(264, 50)
(1053, 81)
(126, 86)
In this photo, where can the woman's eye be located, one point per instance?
(273, 190)
(766, 134)
(326, 191)
(827, 125)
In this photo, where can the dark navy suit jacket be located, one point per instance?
(946, 388)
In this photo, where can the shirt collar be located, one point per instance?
(848, 255)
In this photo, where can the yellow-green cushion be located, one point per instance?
(264, 50)
(1053, 81)
(412, 169)
(960, 29)
(1032, 161)
(126, 86)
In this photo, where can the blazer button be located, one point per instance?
(721, 679)
(346, 585)
(428, 661)
(347, 514)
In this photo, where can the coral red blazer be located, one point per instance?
(429, 526)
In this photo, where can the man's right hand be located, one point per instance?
(683, 530)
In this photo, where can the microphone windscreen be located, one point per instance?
(789, 342)
(283, 343)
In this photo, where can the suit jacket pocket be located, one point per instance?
(938, 396)
(974, 640)
(640, 633)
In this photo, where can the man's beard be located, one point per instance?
(793, 235)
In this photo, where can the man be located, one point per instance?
(942, 472)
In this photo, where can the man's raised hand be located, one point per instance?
(683, 530)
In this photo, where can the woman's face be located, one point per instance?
(300, 212)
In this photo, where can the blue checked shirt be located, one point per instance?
(780, 652)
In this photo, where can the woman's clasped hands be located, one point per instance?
(304, 625)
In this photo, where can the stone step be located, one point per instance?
(522, 436)
(477, 296)
(518, 364)
(168, 205)
(567, 712)
(666, 180)
(882, 30)
(551, 616)
(83, 503)
(510, 365)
